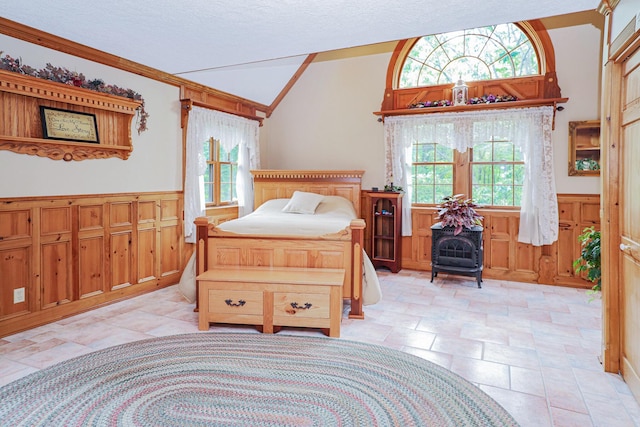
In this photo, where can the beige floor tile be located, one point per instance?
(533, 348)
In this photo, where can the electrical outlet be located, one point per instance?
(18, 295)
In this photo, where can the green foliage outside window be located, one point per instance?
(432, 172)
(221, 173)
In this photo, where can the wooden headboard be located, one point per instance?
(280, 184)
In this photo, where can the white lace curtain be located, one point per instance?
(528, 128)
(231, 130)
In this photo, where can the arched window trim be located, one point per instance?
(540, 89)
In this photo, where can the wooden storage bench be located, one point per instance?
(272, 297)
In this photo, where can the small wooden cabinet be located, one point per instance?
(584, 147)
(385, 220)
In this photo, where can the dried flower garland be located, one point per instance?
(485, 99)
(63, 75)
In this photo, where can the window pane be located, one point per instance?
(503, 174)
(443, 154)
(225, 183)
(496, 175)
(423, 153)
(442, 191)
(444, 174)
(208, 185)
(481, 174)
(206, 150)
(482, 194)
(482, 152)
(503, 195)
(233, 156)
(502, 152)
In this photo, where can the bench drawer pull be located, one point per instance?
(230, 303)
(307, 305)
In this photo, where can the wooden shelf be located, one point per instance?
(24, 95)
(472, 107)
(62, 150)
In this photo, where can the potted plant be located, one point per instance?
(458, 212)
(589, 260)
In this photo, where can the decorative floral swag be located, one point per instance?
(63, 75)
(485, 99)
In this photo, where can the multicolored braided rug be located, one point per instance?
(248, 380)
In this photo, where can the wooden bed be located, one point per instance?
(342, 250)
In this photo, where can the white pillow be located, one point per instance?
(303, 203)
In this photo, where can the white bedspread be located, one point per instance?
(332, 215)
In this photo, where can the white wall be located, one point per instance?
(154, 165)
(326, 120)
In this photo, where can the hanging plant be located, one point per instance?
(72, 78)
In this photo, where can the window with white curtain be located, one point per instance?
(512, 146)
(232, 133)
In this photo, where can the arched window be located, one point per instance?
(493, 52)
(484, 145)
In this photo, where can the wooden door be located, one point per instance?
(629, 228)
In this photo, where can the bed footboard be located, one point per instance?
(342, 251)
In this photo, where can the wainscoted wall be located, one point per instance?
(504, 257)
(63, 255)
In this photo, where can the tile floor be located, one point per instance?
(533, 348)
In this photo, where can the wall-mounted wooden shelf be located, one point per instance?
(21, 129)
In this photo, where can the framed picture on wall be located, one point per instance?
(68, 125)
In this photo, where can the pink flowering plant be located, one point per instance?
(72, 78)
(458, 212)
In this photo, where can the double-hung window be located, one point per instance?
(221, 173)
(491, 173)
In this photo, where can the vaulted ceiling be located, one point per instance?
(231, 44)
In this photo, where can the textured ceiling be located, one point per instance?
(209, 41)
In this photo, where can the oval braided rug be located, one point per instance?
(219, 379)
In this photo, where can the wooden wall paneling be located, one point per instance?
(148, 214)
(56, 272)
(121, 253)
(170, 233)
(15, 273)
(506, 258)
(73, 254)
(91, 246)
(17, 265)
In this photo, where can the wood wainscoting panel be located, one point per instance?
(121, 259)
(15, 224)
(91, 250)
(120, 214)
(146, 211)
(146, 258)
(56, 273)
(69, 254)
(170, 248)
(504, 257)
(15, 273)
